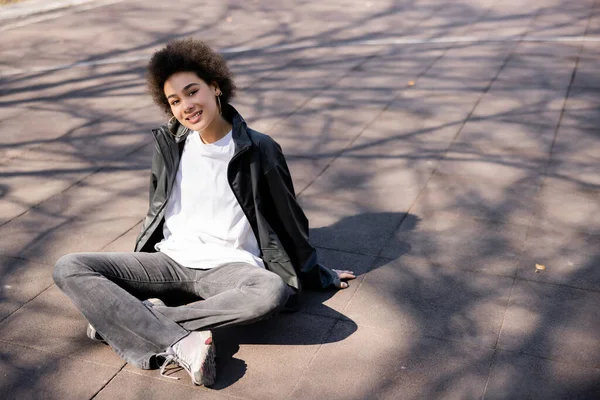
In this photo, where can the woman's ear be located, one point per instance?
(216, 88)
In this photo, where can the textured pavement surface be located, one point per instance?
(439, 148)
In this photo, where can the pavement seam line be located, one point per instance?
(422, 73)
(61, 354)
(50, 15)
(305, 371)
(181, 383)
(338, 154)
(544, 173)
(108, 382)
(74, 184)
(379, 42)
(27, 302)
(121, 235)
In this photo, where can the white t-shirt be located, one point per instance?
(205, 226)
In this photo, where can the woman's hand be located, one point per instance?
(342, 277)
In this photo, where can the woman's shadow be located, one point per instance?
(318, 311)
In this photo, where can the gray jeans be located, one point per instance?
(108, 289)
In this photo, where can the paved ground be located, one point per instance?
(442, 195)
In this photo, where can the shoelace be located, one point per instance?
(172, 358)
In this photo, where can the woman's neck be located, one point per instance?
(216, 130)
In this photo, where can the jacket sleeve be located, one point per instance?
(292, 220)
(154, 171)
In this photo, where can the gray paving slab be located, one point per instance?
(52, 324)
(125, 242)
(332, 303)
(343, 224)
(570, 257)
(523, 133)
(130, 385)
(365, 122)
(383, 363)
(537, 71)
(552, 321)
(33, 374)
(419, 117)
(466, 67)
(519, 376)
(82, 219)
(503, 168)
(21, 281)
(565, 205)
(510, 202)
(263, 360)
(457, 241)
(423, 299)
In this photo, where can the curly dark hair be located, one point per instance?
(188, 55)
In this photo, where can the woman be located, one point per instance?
(224, 241)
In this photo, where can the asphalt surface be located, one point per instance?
(441, 149)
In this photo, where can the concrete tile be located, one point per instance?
(562, 204)
(457, 241)
(420, 117)
(38, 174)
(376, 362)
(71, 222)
(332, 303)
(548, 50)
(254, 361)
(555, 322)
(518, 376)
(126, 242)
(527, 71)
(342, 224)
(561, 21)
(21, 281)
(516, 132)
(504, 97)
(63, 332)
(579, 172)
(423, 299)
(510, 202)
(469, 66)
(570, 258)
(581, 112)
(129, 385)
(586, 75)
(503, 167)
(576, 141)
(16, 140)
(386, 175)
(35, 374)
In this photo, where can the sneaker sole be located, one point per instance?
(93, 334)
(209, 368)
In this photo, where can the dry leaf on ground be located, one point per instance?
(539, 267)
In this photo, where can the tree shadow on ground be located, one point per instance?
(489, 174)
(312, 324)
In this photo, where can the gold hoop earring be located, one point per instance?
(171, 120)
(219, 103)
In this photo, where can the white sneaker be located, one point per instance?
(196, 354)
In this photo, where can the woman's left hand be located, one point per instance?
(342, 277)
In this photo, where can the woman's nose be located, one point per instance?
(187, 106)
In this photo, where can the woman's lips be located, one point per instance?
(194, 118)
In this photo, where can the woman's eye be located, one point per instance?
(192, 92)
(174, 102)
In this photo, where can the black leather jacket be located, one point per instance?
(259, 177)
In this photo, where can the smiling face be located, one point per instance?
(193, 102)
